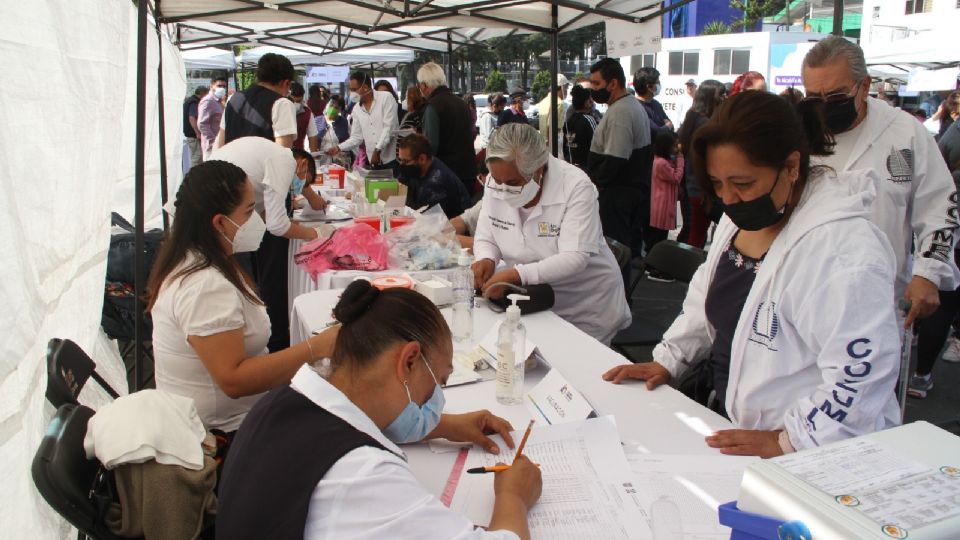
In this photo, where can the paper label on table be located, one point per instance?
(555, 401)
(852, 466)
(588, 493)
(489, 345)
(681, 493)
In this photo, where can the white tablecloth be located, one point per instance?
(658, 421)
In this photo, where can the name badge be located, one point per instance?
(547, 229)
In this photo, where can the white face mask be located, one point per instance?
(248, 235)
(354, 97)
(512, 196)
(656, 91)
(219, 92)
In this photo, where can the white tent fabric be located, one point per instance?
(345, 24)
(60, 164)
(357, 56)
(925, 48)
(209, 58)
(933, 80)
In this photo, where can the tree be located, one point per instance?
(754, 11)
(541, 85)
(713, 28)
(496, 82)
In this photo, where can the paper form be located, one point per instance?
(680, 494)
(913, 503)
(850, 467)
(588, 488)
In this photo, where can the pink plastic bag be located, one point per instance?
(354, 247)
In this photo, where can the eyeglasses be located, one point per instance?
(836, 97)
(498, 188)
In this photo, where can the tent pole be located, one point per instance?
(838, 17)
(138, 168)
(554, 71)
(450, 62)
(163, 131)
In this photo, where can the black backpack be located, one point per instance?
(119, 309)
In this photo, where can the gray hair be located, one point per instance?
(832, 48)
(431, 74)
(519, 144)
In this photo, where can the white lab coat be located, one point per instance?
(566, 219)
(916, 194)
(817, 347)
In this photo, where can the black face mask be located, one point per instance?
(757, 214)
(600, 96)
(840, 115)
(409, 172)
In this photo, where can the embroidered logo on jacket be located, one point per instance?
(766, 325)
(547, 229)
(900, 165)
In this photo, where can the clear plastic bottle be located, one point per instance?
(511, 341)
(463, 298)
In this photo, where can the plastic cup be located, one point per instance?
(400, 221)
(338, 173)
(372, 221)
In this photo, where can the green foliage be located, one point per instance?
(496, 82)
(754, 11)
(541, 85)
(713, 28)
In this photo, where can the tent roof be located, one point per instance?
(379, 55)
(348, 24)
(923, 49)
(208, 58)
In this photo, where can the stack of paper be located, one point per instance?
(589, 491)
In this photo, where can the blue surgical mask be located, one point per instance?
(415, 422)
(297, 185)
(657, 91)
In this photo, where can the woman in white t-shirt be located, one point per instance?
(210, 329)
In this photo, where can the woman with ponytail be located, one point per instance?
(210, 327)
(319, 458)
(792, 306)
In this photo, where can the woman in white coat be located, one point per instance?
(792, 306)
(541, 218)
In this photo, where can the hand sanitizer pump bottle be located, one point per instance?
(511, 355)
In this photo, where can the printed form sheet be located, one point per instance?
(588, 487)
(681, 494)
(895, 491)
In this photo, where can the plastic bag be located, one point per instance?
(429, 243)
(354, 247)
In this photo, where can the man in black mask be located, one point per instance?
(916, 195)
(429, 181)
(621, 157)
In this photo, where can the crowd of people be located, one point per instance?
(830, 206)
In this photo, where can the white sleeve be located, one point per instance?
(205, 303)
(389, 123)
(688, 338)
(284, 118)
(934, 217)
(554, 268)
(367, 496)
(312, 130)
(484, 245)
(279, 169)
(580, 227)
(223, 118)
(859, 357)
(356, 135)
(470, 217)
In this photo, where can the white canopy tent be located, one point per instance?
(928, 49)
(125, 142)
(366, 55)
(209, 58)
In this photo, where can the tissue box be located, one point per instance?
(438, 290)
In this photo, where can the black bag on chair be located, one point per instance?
(697, 382)
(119, 308)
